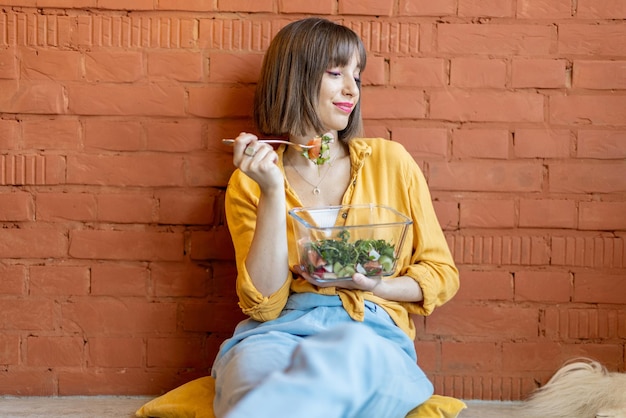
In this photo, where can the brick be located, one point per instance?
(179, 279)
(245, 6)
(463, 105)
(365, 7)
(114, 66)
(234, 68)
(119, 279)
(175, 136)
(27, 314)
(539, 73)
(481, 143)
(500, 250)
(547, 213)
(485, 285)
(66, 206)
(10, 134)
(9, 349)
(122, 5)
(599, 75)
(28, 169)
(175, 65)
(427, 355)
(594, 287)
(59, 280)
(57, 351)
(536, 356)
(32, 96)
(186, 5)
(597, 109)
(601, 9)
(488, 8)
(125, 170)
(487, 176)
(8, 64)
(585, 323)
(418, 72)
(70, 4)
(602, 216)
(543, 286)
(51, 134)
(215, 244)
(175, 352)
(599, 252)
(427, 8)
(126, 245)
(113, 135)
(215, 174)
(124, 100)
(201, 317)
(17, 206)
(495, 39)
(115, 352)
(602, 144)
(220, 102)
(467, 357)
(422, 142)
(387, 103)
(322, 7)
(539, 9)
(118, 316)
(221, 286)
(26, 382)
(543, 143)
(186, 206)
(591, 39)
(13, 280)
(465, 320)
(375, 72)
(447, 214)
(46, 64)
(130, 382)
(478, 72)
(587, 177)
(33, 242)
(487, 213)
(131, 207)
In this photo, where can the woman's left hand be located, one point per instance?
(359, 281)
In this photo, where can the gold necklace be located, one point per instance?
(316, 187)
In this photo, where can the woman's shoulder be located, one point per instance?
(380, 147)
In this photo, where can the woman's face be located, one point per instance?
(339, 94)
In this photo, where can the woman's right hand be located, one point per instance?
(258, 161)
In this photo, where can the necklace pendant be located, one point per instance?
(316, 191)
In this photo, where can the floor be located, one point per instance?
(125, 407)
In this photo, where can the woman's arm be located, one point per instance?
(266, 258)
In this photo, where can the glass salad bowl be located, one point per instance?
(334, 242)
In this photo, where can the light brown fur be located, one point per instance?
(580, 389)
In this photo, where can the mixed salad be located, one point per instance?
(339, 258)
(320, 153)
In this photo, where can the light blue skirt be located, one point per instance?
(315, 361)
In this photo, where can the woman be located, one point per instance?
(338, 349)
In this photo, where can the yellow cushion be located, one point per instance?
(195, 400)
(192, 400)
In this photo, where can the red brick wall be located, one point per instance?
(116, 271)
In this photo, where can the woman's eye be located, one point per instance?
(333, 73)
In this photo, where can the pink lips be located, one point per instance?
(344, 106)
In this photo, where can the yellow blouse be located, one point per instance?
(382, 172)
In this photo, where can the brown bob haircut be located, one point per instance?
(294, 64)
